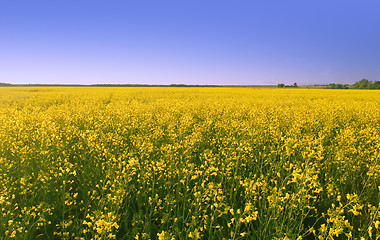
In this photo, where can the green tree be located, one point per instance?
(363, 84)
(376, 85)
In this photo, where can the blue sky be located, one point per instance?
(189, 41)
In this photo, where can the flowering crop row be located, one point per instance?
(189, 163)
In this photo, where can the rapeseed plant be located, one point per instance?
(189, 163)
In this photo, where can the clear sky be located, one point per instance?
(189, 41)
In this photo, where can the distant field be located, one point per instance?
(189, 163)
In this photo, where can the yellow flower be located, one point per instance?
(161, 236)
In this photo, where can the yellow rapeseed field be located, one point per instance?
(189, 163)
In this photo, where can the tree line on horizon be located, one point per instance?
(362, 84)
(281, 85)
